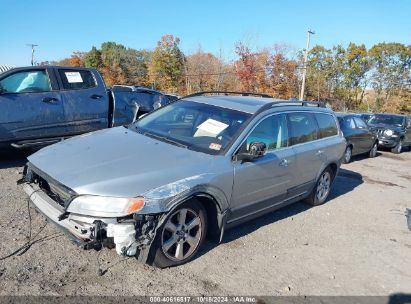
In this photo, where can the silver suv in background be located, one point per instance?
(191, 169)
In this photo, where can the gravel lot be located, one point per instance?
(356, 244)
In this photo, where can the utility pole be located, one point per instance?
(32, 51)
(309, 32)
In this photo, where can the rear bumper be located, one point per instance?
(80, 229)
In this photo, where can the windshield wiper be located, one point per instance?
(165, 139)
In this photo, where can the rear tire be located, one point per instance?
(373, 151)
(398, 148)
(347, 155)
(181, 236)
(322, 188)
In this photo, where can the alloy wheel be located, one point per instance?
(323, 186)
(181, 234)
(347, 155)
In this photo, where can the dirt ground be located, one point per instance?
(356, 244)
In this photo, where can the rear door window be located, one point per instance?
(77, 79)
(30, 81)
(360, 123)
(303, 127)
(327, 125)
(347, 122)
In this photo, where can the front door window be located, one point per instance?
(25, 82)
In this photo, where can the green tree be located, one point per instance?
(355, 74)
(391, 71)
(167, 65)
(93, 58)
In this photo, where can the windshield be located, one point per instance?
(387, 120)
(194, 125)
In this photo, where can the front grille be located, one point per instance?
(59, 193)
(380, 132)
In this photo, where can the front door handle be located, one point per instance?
(51, 100)
(284, 163)
(319, 153)
(96, 96)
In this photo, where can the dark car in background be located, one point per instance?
(360, 139)
(393, 131)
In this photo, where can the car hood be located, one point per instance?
(385, 127)
(119, 162)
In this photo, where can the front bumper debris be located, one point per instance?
(387, 142)
(131, 236)
(81, 229)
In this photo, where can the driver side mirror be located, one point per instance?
(256, 150)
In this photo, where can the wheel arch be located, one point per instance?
(214, 211)
(334, 168)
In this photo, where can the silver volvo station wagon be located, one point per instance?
(190, 170)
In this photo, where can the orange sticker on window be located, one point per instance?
(214, 146)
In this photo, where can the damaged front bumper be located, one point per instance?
(131, 236)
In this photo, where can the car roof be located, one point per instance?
(389, 114)
(250, 104)
(345, 114)
(36, 67)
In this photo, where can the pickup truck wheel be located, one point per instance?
(182, 234)
(398, 148)
(347, 155)
(322, 188)
(373, 151)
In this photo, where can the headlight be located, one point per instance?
(105, 206)
(388, 132)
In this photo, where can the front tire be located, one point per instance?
(322, 188)
(398, 148)
(373, 151)
(182, 234)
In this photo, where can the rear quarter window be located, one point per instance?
(303, 127)
(326, 124)
(77, 79)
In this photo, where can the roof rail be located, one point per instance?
(313, 104)
(227, 93)
(290, 103)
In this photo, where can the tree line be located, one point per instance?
(352, 78)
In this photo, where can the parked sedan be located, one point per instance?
(360, 139)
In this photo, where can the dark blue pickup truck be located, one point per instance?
(42, 105)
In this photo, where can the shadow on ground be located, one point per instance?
(14, 158)
(345, 182)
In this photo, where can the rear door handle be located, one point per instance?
(96, 96)
(284, 163)
(51, 100)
